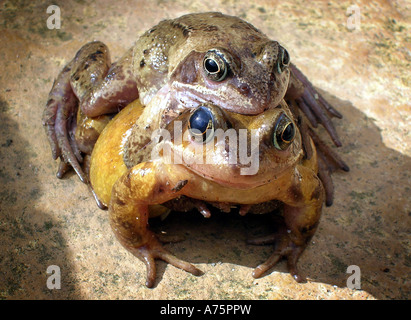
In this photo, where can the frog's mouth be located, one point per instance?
(228, 97)
(230, 175)
(241, 166)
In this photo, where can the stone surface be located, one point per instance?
(365, 73)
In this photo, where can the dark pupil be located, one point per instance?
(200, 119)
(286, 57)
(211, 66)
(288, 133)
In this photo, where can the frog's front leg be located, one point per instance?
(132, 194)
(99, 88)
(301, 213)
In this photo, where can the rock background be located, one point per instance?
(365, 73)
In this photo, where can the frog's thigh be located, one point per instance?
(100, 86)
(302, 211)
(90, 65)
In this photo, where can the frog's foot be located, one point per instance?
(284, 248)
(302, 95)
(153, 250)
(313, 104)
(59, 121)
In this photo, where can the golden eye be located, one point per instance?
(284, 133)
(215, 66)
(201, 124)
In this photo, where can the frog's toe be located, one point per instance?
(315, 113)
(65, 139)
(261, 269)
(284, 248)
(63, 168)
(329, 161)
(315, 107)
(62, 142)
(150, 252)
(181, 264)
(169, 238)
(313, 93)
(292, 259)
(271, 238)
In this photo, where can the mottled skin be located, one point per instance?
(165, 70)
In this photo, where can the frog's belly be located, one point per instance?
(107, 164)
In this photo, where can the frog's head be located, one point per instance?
(234, 149)
(211, 57)
(226, 61)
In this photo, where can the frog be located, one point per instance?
(202, 73)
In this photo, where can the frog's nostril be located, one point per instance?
(244, 89)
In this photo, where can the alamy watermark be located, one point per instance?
(354, 17)
(354, 281)
(54, 280)
(54, 20)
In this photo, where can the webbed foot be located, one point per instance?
(59, 120)
(284, 248)
(153, 250)
(302, 96)
(314, 106)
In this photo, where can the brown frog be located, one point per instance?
(220, 117)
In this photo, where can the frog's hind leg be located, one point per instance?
(59, 116)
(129, 211)
(57, 120)
(90, 83)
(299, 222)
(102, 87)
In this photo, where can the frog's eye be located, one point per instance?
(215, 66)
(201, 124)
(283, 60)
(284, 132)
